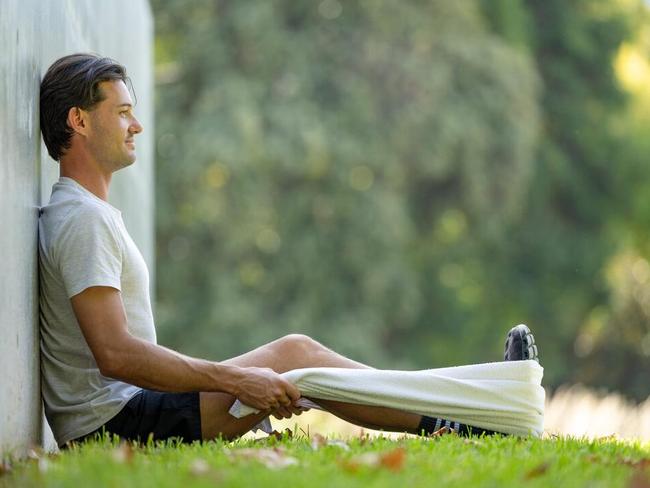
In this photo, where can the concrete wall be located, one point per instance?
(33, 34)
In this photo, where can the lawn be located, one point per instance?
(315, 461)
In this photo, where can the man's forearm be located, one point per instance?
(148, 365)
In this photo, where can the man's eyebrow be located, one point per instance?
(125, 105)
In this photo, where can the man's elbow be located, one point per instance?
(110, 364)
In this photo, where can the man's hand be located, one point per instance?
(288, 412)
(266, 390)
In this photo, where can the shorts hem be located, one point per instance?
(74, 437)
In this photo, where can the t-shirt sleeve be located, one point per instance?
(89, 252)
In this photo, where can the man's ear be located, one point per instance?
(78, 120)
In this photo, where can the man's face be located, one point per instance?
(113, 127)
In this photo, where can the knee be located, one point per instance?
(297, 345)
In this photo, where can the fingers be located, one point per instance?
(293, 392)
(265, 390)
(288, 393)
(285, 408)
(282, 413)
(277, 401)
(296, 410)
(285, 412)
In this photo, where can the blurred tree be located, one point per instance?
(558, 265)
(405, 182)
(614, 343)
(338, 169)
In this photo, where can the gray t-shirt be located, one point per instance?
(83, 243)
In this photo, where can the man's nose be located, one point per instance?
(135, 127)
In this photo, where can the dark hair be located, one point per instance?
(73, 81)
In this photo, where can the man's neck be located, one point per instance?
(96, 183)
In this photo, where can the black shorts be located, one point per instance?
(158, 414)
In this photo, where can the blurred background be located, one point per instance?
(404, 181)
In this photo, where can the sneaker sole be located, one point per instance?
(520, 345)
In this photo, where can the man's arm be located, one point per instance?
(101, 316)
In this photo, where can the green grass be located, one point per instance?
(367, 462)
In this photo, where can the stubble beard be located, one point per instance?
(125, 163)
(115, 163)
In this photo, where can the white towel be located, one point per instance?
(505, 396)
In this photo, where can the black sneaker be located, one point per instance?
(433, 427)
(520, 345)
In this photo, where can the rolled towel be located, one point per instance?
(504, 396)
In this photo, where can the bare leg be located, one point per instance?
(293, 352)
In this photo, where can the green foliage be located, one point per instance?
(317, 167)
(615, 340)
(403, 182)
(576, 217)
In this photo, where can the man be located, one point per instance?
(101, 366)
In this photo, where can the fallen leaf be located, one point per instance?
(537, 471)
(367, 459)
(275, 458)
(472, 442)
(349, 465)
(318, 441)
(393, 460)
(43, 465)
(355, 463)
(636, 463)
(338, 443)
(441, 432)
(199, 467)
(123, 453)
(640, 479)
(5, 467)
(285, 434)
(274, 436)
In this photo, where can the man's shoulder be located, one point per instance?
(73, 211)
(69, 200)
(71, 218)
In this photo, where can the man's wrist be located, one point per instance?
(228, 378)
